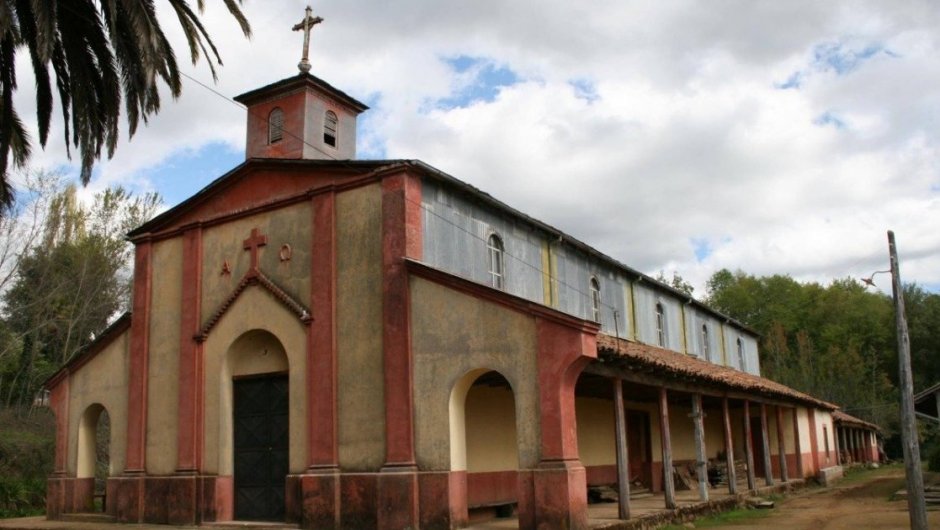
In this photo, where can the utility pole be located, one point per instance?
(915, 480)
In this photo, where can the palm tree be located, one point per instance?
(100, 52)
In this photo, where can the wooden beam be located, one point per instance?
(781, 446)
(668, 485)
(642, 375)
(749, 447)
(729, 448)
(765, 442)
(623, 467)
(701, 461)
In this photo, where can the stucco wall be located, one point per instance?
(361, 396)
(102, 380)
(290, 225)
(454, 334)
(596, 431)
(163, 363)
(824, 418)
(491, 443)
(255, 309)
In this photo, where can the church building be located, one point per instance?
(340, 343)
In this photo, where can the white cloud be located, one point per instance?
(689, 138)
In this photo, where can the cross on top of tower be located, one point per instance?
(306, 25)
(253, 244)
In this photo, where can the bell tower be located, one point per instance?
(301, 117)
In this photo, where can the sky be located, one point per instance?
(674, 136)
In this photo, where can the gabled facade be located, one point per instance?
(358, 344)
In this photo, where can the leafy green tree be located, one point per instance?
(100, 52)
(835, 342)
(677, 282)
(68, 287)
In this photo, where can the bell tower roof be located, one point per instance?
(301, 117)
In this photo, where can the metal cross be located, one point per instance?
(306, 25)
(253, 244)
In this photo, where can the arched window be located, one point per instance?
(705, 353)
(595, 299)
(740, 354)
(661, 325)
(495, 247)
(329, 128)
(275, 125)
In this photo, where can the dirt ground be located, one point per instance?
(855, 503)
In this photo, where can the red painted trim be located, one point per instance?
(400, 194)
(59, 396)
(562, 355)
(485, 292)
(190, 361)
(139, 358)
(813, 442)
(321, 337)
(329, 181)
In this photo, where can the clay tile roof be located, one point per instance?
(840, 417)
(634, 355)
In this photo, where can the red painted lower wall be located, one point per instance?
(493, 487)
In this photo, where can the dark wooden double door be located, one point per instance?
(261, 444)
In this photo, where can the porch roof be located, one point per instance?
(681, 367)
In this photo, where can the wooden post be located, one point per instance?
(797, 444)
(838, 443)
(668, 485)
(701, 461)
(781, 446)
(857, 451)
(915, 480)
(765, 440)
(623, 472)
(729, 448)
(749, 447)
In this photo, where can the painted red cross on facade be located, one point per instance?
(253, 244)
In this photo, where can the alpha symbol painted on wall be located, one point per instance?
(285, 253)
(253, 244)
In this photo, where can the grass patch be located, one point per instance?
(732, 516)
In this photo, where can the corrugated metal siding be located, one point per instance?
(695, 319)
(646, 300)
(573, 285)
(455, 235)
(455, 240)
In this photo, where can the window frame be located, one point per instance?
(275, 132)
(661, 330)
(595, 289)
(706, 348)
(496, 251)
(330, 135)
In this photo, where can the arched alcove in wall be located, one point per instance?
(94, 448)
(483, 438)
